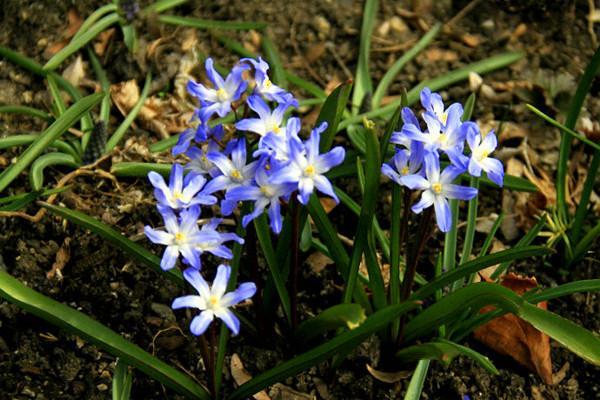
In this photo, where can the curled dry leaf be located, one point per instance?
(510, 335)
(103, 40)
(74, 21)
(241, 376)
(388, 377)
(318, 261)
(75, 72)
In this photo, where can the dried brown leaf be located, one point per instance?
(388, 377)
(62, 258)
(241, 376)
(512, 336)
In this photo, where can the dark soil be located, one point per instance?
(39, 361)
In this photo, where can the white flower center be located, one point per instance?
(236, 175)
(437, 188)
(310, 170)
(222, 95)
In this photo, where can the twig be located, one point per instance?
(462, 13)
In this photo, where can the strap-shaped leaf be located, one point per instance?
(332, 111)
(340, 343)
(444, 351)
(122, 381)
(44, 140)
(575, 338)
(338, 316)
(131, 248)
(36, 176)
(80, 324)
(210, 24)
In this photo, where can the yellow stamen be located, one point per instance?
(235, 174)
(437, 188)
(177, 195)
(310, 170)
(404, 171)
(276, 129)
(222, 94)
(179, 236)
(213, 300)
(444, 118)
(267, 83)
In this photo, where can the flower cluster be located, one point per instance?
(281, 167)
(417, 161)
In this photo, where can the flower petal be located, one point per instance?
(195, 279)
(232, 322)
(443, 214)
(189, 301)
(201, 322)
(169, 257)
(219, 285)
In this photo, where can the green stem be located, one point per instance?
(582, 207)
(295, 210)
(395, 249)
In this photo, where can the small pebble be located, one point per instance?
(321, 25)
(398, 25)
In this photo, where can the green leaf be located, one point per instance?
(367, 212)
(332, 112)
(52, 133)
(490, 237)
(264, 238)
(79, 41)
(564, 128)
(162, 5)
(444, 351)
(139, 169)
(363, 78)
(210, 24)
(56, 95)
(440, 82)
(19, 140)
(122, 129)
(18, 201)
(36, 176)
(94, 17)
(133, 249)
(94, 332)
(122, 381)
(130, 37)
(343, 342)
(104, 84)
(339, 316)
(577, 339)
(589, 285)
(391, 73)
(577, 101)
(585, 243)
(33, 112)
(478, 264)
(272, 55)
(415, 387)
(582, 207)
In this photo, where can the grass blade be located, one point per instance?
(564, 128)
(122, 381)
(36, 175)
(94, 17)
(81, 40)
(471, 222)
(583, 88)
(85, 327)
(390, 75)
(339, 316)
(122, 129)
(210, 24)
(582, 207)
(104, 84)
(272, 55)
(440, 82)
(332, 112)
(52, 133)
(585, 243)
(478, 264)
(444, 351)
(340, 343)
(133, 249)
(367, 212)
(20, 140)
(56, 95)
(490, 237)
(32, 112)
(363, 84)
(139, 169)
(589, 285)
(264, 238)
(415, 387)
(162, 5)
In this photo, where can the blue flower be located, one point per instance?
(403, 163)
(265, 194)
(264, 87)
(213, 240)
(267, 122)
(434, 105)
(307, 167)
(235, 172)
(200, 134)
(213, 301)
(182, 237)
(218, 99)
(277, 146)
(408, 118)
(449, 138)
(480, 151)
(181, 192)
(437, 189)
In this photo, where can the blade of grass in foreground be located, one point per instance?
(415, 387)
(122, 381)
(162, 5)
(131, 248)
(345, 341)
(54, 131)
(33, 112)
(363, 84)
(36, 173)
(81, 325)
(210, 24)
